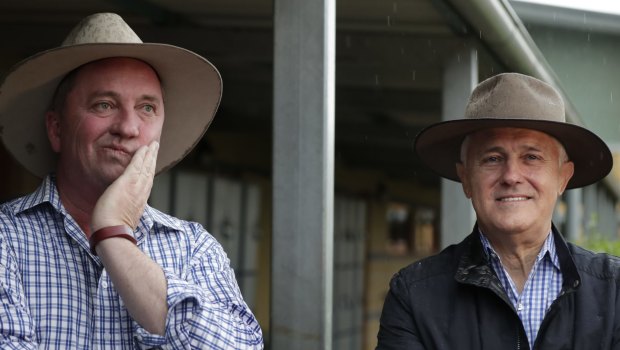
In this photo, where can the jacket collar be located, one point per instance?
(475, 269)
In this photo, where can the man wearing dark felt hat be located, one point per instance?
(514, 282)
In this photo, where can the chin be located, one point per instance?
(514, 225)
(110, 175)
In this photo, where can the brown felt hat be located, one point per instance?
(192, 85)
(517, 101)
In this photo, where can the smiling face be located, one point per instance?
(113, 107)
(513, 178)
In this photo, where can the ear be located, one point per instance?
(52, 124)
(462, 174)
(567, 169)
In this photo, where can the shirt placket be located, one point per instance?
(107, 315)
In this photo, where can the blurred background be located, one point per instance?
(380, 71)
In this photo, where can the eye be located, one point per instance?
(147, 109)
(103, 106)
(532, 157)
(492, 159)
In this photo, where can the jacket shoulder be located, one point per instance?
(443, 264)
(597, 265)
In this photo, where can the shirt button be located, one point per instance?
(104, 284)
(107, 336)
(520, 307)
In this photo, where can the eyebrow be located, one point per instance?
(500, 149)
(116, 95)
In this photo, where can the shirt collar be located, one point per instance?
(153, 216)
(47, 192)
(548, 248)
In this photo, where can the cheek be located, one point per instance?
(483, 183)
(546, 182)
(88, 133)
(153, 131)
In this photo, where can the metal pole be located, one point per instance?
(460, 78)
(574, 215)
(303, 174)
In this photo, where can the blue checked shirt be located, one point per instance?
(541, 288)
(54, 294)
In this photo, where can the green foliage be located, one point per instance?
(600, 244)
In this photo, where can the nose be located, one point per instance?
(511, 172)
(126, 123)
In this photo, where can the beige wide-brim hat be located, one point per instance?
(517, 101)
(192, 90)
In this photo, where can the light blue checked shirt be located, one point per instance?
(542, 287)
(54, 294)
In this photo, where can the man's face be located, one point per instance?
(513, 178)
(114, 107)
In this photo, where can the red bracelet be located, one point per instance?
(121, 231)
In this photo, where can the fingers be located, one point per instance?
(124, 200)
(150, 159)
(144, 161)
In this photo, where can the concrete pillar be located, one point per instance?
(303, 174)
(460, 78)
(574, 214)
(590, 210)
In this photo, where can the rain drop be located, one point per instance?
(389, 23)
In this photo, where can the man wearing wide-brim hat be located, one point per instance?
(514, 282)
(84, 261)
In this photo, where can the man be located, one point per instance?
(84, 262)
(514, 283)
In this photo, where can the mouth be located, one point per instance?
(513, 199)
(119, 150)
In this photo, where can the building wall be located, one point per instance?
(587, 62)
(588, 65)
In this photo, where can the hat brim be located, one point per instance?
(439, 146)
(192, 91)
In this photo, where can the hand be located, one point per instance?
(124, 200)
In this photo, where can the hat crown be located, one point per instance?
(513, 100)
(101, 28)
(193, 90)
(515, 96)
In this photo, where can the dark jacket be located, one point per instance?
(454, 300)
